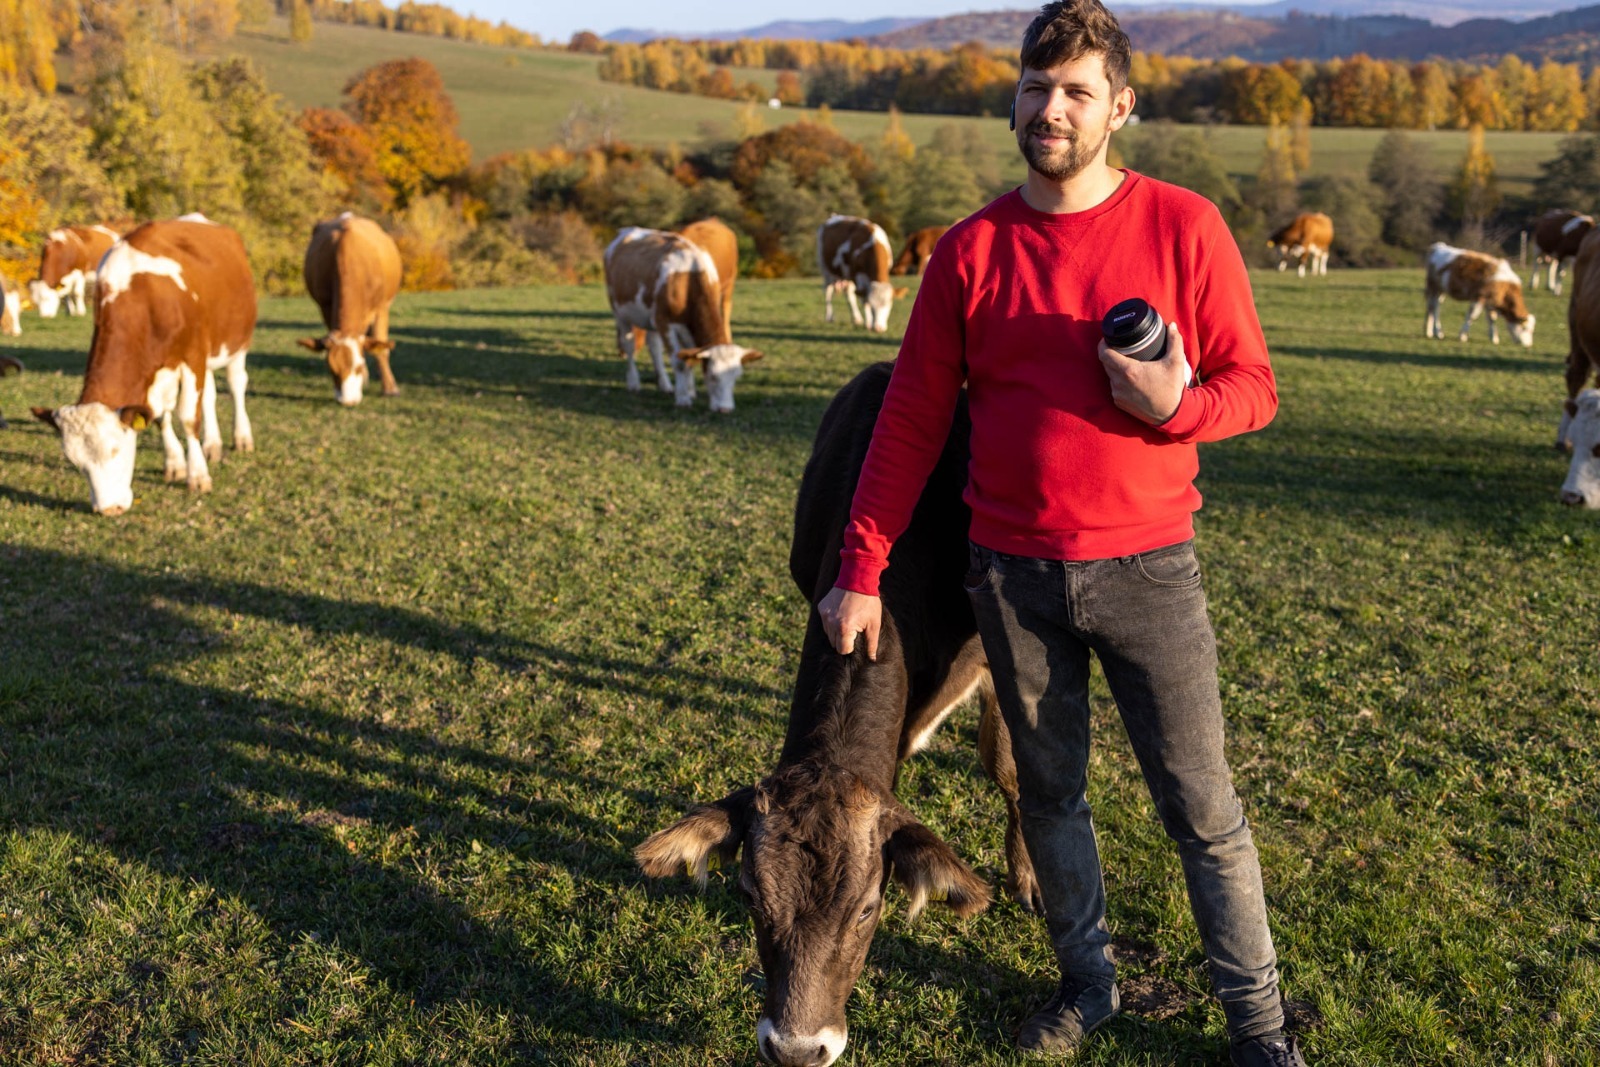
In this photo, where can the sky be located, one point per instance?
(558, 20)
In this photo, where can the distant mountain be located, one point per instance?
(1568, 37)
(789, 30)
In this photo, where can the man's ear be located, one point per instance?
(1122, 106)
(48, 417)
(1015, 90)
(690, 842)
(929, 869)
(316, 344)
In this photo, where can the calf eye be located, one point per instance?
(866, 912)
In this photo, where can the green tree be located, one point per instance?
(1572, 178)
(1276, 190)
(300, 27)
(1352, 204)
(1410, 195)
(51, 148)
(1184, 157)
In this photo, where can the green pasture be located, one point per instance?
(343, 762)
(513, 99)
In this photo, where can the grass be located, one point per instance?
(513, 99)
(343, 762)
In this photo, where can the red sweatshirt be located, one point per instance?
(1011, 304)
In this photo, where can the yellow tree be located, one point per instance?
(1300, 136)
(27, 46)
(1473, 194)
(1559, 103)
(300, 28)
(1431, 96)
(412, 123)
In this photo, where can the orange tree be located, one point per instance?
(412, 124)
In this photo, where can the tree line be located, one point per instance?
(975, 79)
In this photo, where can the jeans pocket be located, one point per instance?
(1173, 567)
(980, 568)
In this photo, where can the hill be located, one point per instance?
(784, 30)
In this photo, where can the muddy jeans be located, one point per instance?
(1145, 618)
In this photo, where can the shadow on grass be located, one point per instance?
(1469, 357)
(248, 795)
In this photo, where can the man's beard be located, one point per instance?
(1061, 163)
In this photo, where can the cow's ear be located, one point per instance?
(900, 291)
(48, 417)
(316, 344)
(688, 844)
(372, 344)
(135, 416)
(929, 869)
(751, 355)
(692, 357)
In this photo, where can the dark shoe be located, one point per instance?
(1076, 1011)
(1271, 1050)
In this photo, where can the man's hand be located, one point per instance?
(1148, 391)
(845, 614)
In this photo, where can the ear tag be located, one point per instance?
(140, 422)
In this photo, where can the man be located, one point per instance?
(1082, 496)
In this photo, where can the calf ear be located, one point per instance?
(135, 416)
(927, 868)
(316, 344)
(691, 357)
(47, 416)
(370, 344)
(751, 355)
(690, 842)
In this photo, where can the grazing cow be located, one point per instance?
(665, 284)
(853, 255)
(1556, 237)
(1484, 282)
(918, 249)
(1583, 332)
(1582, 486)
(823, 833)
(176, 302)
(10, 309)
(720, 243)
(67, 267)
(1308, 238)
(352, 271)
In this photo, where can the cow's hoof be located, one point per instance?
(244, 444)
(392, 392)
(213, 451)
(1023, 888)
(175, 474)
(200, 484)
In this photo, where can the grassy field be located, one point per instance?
(343, 762)
(518, 99)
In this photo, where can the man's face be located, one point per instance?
(1066, 113)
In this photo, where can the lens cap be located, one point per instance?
(1129, 322)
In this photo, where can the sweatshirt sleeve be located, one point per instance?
(912, 425)
(1236, 391)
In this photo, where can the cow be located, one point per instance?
(1583, 332)
(67, 267)
(720, 243)
(822, 834)
(1308, 238)
(176, 302)
(352, 271)
(1481, 280)
(665, 284)
(853, 255)
(10, 309)
(919, 247)
(1582, 486)
(1556, 237)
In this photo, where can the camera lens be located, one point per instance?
(1135, 329)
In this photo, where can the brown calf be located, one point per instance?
(919, 247)
(67, 267)
(1309, 237)
(1484, 282)
(176, 301)
(1556, 237)
(352, 271)
(823, 833)
(853, 255)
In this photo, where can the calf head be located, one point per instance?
(100, 441)
(820, 846)
(1582, 486)
(46, 301)
(723, 365)
(879, 298)
(347, 362)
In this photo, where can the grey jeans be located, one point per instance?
(1145, 618)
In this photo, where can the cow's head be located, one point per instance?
(46, 301)
(723, 365)
(819, 847)
(100, 441)
(879, 298)
(1522, 330)
(347, 362)
(1582, 486)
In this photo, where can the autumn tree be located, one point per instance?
(1473, 195)
(1409, 194)
(789, 91)
(345, 152)
(27, 46)
(412, 123)
(1300, 136)
(300, 27)
(50, 150)
(1276, 190)
(586, 42)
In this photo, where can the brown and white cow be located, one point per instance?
(853, 255)
(1485, 282)
(10, 309)
(1583, 363)
(1556, 237)
(665, 284)
(823, 833)
(352, 271)
(722, 245)
(1308, 238)
(918, 250)
(67, 267)
(176, 302)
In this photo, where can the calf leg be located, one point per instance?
(827, 301)
(1473, 311)
(658, 358)
(627, 341)
(1555, 276)
(244, 438)
(211, 433)
(855, 308)
(176, 468)
(189, 415)
(1494, 333)
(1431, 326)
(1300, 269)
(994, 751)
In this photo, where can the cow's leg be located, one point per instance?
(855, 308)
(682, 373)
(628, 344)
(1555, 276)
(827, 301)
(1283, 262)
(1322, 261)
(189, 415)
(994, 751)
(244, 438)
(1494, 334)
(1300, 268)
(1474, 309)
(380, 332)
(211, 433)
(1578, 366)
(175, 468)
(1432, 328)
(658, 358)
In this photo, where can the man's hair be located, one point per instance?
(1065, 30)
